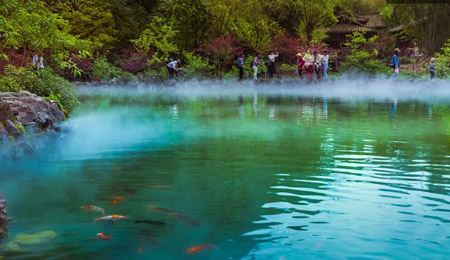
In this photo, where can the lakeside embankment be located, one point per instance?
(24, 114)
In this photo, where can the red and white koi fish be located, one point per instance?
(111, 217)
(102, 236)
(94, 208)
(196, 249)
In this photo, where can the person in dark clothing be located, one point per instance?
(240, 65)
(271, 63)
(172, 68)
(432, 67)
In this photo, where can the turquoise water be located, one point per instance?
(259, 173)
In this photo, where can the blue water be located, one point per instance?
(265, 172)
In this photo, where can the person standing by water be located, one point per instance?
(41, 63)
(35, 61)
(240, 65)
(432, 67)
(395, 64)
(255, 65)
(171, 67)
(300, 63)
(325, 59)
(309, 65)
(271, 63)
(318, 66)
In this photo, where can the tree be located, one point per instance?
(29, 26)
(191, 19)
(158, 39)
(88, 19)
(315, 15)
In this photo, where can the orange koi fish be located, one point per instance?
(94, 208)
(196, 249)
(111, 217)
(114, 202)
(102, 236)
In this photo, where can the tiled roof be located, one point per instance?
(347, 28)
(361, 23)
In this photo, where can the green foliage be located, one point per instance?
(29, 25)
(443, 62)
(314, 16)
(359, 40)
(159, 37)
(191, 20)
(43, 83)
(287, 68)
(88, 19)
(104, 71)
(196, 66)
(256, 34)
(364, 62)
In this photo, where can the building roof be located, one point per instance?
(367, 22)
(347, 28)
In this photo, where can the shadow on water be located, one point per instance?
(354, 169)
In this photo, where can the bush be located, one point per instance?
(287, 68)
(196, 66)
(104, 71)
(43, 83)
(443, 62)
(365, 62)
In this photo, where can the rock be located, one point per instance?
(34, 239)
(44, 120)
(12, 129)
(3, 134)
(26, 109)
(31, 128)
(5, 111)
(3, 217)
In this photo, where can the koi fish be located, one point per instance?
(196, 249)
(111, 217)
(94, 208)
(165, 211)
(120, 198)
(102, 236)
(175, 215)
(114, 202)
(151, 222)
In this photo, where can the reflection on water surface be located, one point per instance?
(257, 174)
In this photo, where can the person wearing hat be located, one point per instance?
(309, 65)
(432, 67)
(395, 64)
(300, 63)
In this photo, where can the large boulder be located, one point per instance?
(3, 217)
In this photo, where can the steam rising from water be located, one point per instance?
(344, 89)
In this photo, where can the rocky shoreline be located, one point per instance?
(24, 113)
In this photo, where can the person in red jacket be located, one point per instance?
(300, 63)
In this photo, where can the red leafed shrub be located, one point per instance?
(287, 46)
(14, 58)
(222, 51)
(133, 60)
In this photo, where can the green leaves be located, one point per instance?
(158, 37)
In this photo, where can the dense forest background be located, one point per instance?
(98, 39)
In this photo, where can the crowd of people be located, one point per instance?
(312, 66)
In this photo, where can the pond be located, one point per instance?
(271, 171)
